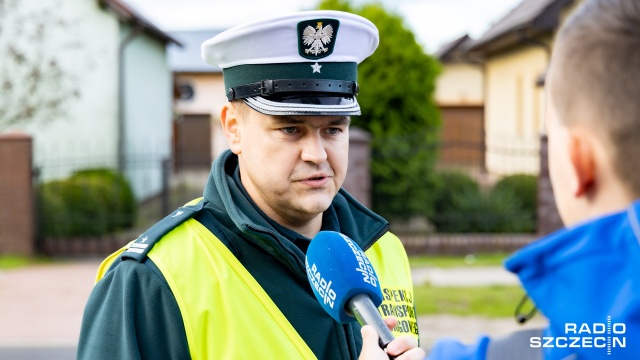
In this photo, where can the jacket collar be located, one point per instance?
(585, 273)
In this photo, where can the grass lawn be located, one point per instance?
(493, 259)
(489, 301)
(8, 262)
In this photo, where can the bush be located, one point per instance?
(53, 220)
(448, 186)
(524, 187)
(91, 202)
(116, 194)
(461, 207)
(85, 208)
(492, 212)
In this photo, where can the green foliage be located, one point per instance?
(493, 212)
(461, 207)
(448, 185)
(524, 187)
(397, 83)
(89, 203)
(53, 220)
(116, 193)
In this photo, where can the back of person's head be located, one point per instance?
(596, 79)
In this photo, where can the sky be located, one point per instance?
(434, 22)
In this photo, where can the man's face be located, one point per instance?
(292, 166)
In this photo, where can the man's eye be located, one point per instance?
(334, 131)
(288, 130)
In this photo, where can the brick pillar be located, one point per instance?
(358, 181)
(548, 217)
(16, 195)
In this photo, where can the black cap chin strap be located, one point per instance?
(283, 86)
(523, 318)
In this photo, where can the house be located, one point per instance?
(198, 139)
(516, 52)
(459, 95)
(116, 84)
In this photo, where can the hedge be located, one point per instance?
(91, 202)
(462, 207)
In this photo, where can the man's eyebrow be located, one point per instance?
(290, 120)
(286, 120)
(345, 120)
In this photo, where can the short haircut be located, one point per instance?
(596, 78)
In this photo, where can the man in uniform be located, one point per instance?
(224, 276)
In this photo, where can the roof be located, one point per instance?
(127, 15)
(454, 50)
(188, 58)
(530, 18)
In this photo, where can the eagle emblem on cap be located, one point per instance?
(317, 38)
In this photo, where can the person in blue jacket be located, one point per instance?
(585, 278)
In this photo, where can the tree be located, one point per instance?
(34, 85)
(396, 87)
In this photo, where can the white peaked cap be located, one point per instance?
(275, 40)
(295, 64)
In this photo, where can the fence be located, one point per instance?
(462, 244)
(166, 187)
(163, 192)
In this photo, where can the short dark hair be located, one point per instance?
(596, 78)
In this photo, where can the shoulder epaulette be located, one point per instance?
(139, 249)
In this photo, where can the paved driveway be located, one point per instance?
(41, 309)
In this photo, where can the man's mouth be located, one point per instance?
(315, 181)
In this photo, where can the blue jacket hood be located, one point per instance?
(587, 274)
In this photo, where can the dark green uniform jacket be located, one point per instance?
(132, 314)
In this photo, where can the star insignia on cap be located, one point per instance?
(316, 67)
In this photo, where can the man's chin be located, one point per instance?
(316, 205)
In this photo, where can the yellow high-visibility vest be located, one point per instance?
(221, 303)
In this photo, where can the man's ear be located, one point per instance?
(231, 126)
(582, 161)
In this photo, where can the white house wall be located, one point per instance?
(514, 110)
(459, 84)
(86, 134)
(148, 99)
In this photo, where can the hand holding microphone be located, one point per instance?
(347, 287)
(402, 348)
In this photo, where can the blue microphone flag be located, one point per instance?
(338, 269)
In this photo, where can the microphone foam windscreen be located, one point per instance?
(338, 269)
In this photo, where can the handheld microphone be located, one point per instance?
(345, 283)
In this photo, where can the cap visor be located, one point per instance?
(305, 105)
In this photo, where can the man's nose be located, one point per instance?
(313, 149)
